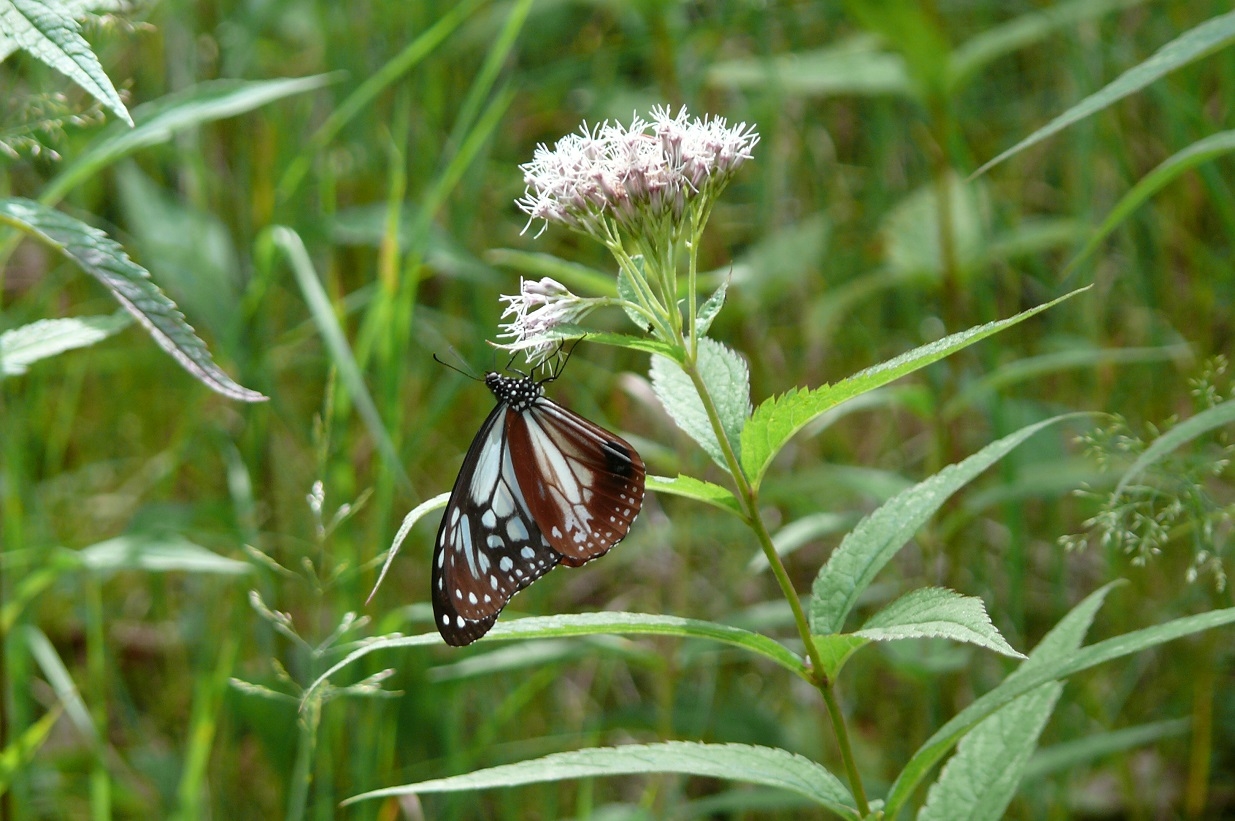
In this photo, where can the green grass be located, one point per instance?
(402, 194)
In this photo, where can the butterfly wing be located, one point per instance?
(488, 546)
(583, 485)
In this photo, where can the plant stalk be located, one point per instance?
(750, 503)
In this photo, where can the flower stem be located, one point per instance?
(749, 498)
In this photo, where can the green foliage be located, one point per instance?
(1194, 44)
(181, 640)
(739, 762)
(727, 381)
(50, 34)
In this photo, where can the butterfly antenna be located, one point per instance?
(441, 361)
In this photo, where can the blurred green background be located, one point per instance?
(404, 198)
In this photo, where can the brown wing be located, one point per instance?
(583, 484)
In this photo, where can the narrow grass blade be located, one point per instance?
(1188, 47)
(328, 326)
(415, 515)
(395, 68)
(104, 259)
(22, 750)
(1205, 421)
(208, 694)
(1020, 32)
(49, 661)
(1202, 151)
(1071, 755)
(747, 763)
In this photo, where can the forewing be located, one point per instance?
(488, 546)
(583, 484)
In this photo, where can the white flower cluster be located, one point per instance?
(539, 308)
(635, 176)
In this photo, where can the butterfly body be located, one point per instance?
(540, 485)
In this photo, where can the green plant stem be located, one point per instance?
(96, 676)
(846, 750)
(750, 502)
(302, 773)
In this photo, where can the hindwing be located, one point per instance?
(583, 484)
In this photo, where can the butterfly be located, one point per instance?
(539, 485)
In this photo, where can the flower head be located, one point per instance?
(633, 178)
(539, 309)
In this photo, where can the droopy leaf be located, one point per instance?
(48, 32)
(22, 347)
(767, 766)
(104, 259)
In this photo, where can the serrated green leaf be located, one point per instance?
(727, 379)
(104, 259)
(73, 8)
(1188, 47)
(1036, 671)
(701, 491)
(877, 538)
(936, 612)
(594, 624)
(1205, 421)
(48, 32)
(780, 417)
(160, 120)
(836, 649)
(22, 347)
(157, 554)
(979, 782)
(747, 763)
